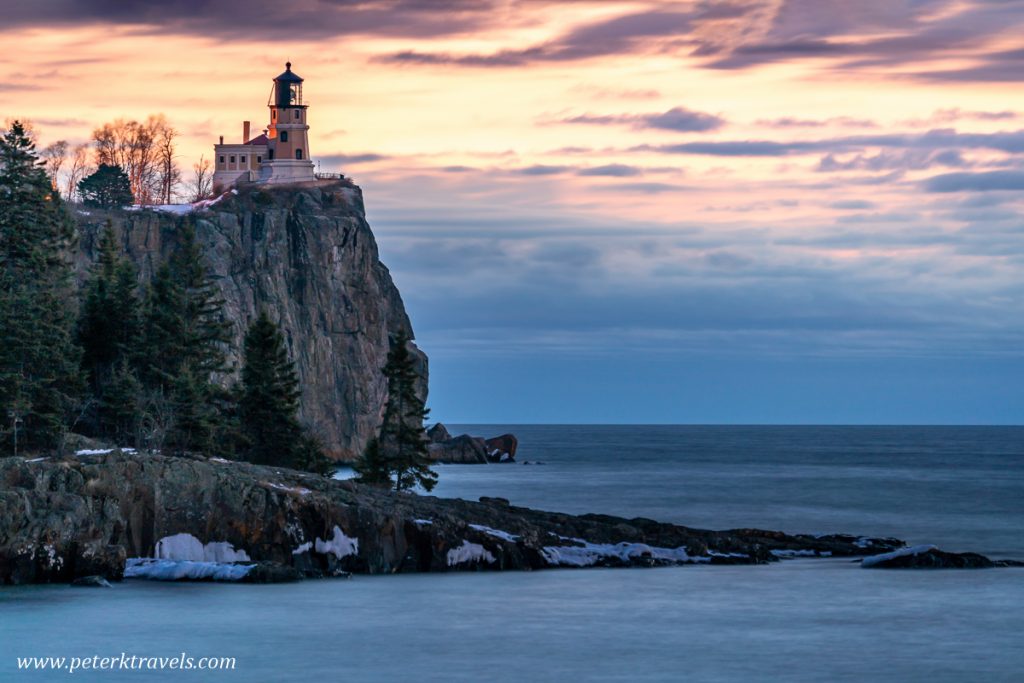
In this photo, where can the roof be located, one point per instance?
(260, 139)
(288, 76)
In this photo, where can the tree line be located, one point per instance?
(136, 366)
(146, 151)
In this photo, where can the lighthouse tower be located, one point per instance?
(287, 158)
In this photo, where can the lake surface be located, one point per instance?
(800, 620)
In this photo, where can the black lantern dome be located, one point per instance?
(288, 88)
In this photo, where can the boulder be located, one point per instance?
(438, 434)
(502, 448)
(930, 557)
(461, 450)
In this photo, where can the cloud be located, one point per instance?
(342, 159)
(793, 122)
(614, 170)
(887, 161)
(853, 204)
(976, 182)
(678, 119)
(267, 19)
(1009, 142)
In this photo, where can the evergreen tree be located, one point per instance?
(39, 378)
(184, 347)
(205, 332)
(402, 438)
(109, 332)
(269, 398)
(107, 188)
(372, 467)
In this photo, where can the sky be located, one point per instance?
(734, 211)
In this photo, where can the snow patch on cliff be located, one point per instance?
(469, 552)
(497, 533)
(340, 544)
(187, 547)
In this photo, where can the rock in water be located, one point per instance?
(930, 557)
(438, 433)
(305, 254)
(502, 448)
(461, 450)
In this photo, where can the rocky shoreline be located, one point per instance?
(118, 514)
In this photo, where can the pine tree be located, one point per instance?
(402, 439)
(107, 188)
(269, 398)
(184, 347)
(372, 467)
(39, 378)
(206, 333)
(109, 332)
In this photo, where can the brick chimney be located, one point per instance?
(222, 139)
(245, 132)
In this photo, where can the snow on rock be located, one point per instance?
(186, 547)
(303, 548)
(102, 451)
(422, 522)
(902, 552)
(340, 545)
(795, 553)
(469, 552)
(590, 554)
(289, 489)
(497, 533)
(177, 570)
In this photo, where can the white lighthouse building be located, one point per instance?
(281, 153)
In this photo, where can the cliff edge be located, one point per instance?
(306, 255)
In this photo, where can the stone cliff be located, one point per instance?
(306, 255)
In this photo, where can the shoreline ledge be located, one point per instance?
(197, 518)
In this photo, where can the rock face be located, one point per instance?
(306, 255)
(65, 519)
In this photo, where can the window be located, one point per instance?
(297, 114)
(222, 160)
(242, 159)
(284, 136)
(271, 152)
(232, 158)
(273, 115)
(298, 153)
(259, 160)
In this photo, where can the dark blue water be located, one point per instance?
(802, 620)
(959, 487)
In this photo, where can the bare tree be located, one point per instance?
(202, 180)
(79, 169)
(139, 149)
(168, 173)
(54, 156)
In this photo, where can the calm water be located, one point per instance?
(803, 620)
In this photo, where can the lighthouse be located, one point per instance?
(288, 135)
(281, 153)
